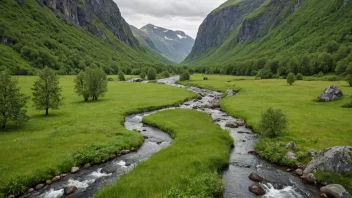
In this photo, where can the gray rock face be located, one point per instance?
(82, 12)
(219, 23)
(335, 159)
(334, 190)
(330, 93)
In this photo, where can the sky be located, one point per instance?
(184, 15)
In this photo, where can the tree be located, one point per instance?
(349, 74)
(97, 82)
(273, 122)
(121, 76)
(299, 76)
(290, 78)
(46, 91)
(82, 85)
(185, 75)
(166, 74)
(152, 74)
(12, 102)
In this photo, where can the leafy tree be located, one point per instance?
(349, 74)
(121, 76)
(264, 74)
(46, 91)
(273, 122)
(166, 74)
(152, 74)
(299, 76)
(82, 85)
(290, 78)
(143, 75)
(185, 75)
(97, 82)
(12, 102)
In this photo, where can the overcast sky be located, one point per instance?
(185, 15)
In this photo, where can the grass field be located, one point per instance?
(77, 133)
(187, 167)
(312, 125)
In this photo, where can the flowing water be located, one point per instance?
(277, 183)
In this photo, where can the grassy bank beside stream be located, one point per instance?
(188, 167)
(79, 132)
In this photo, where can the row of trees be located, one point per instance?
(46, 93)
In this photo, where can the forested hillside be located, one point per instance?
(68, 36)
(281, 36)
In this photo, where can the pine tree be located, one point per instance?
(12, 102)
(46, 91)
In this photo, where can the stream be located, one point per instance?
(277, 183)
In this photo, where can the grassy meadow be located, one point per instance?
(312, 125)
(187, 168)
(79, 132)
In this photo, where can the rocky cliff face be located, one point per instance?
(174, 45)
(220, 23)
(84, 13)
(269, 16)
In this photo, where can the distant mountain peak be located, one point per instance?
(175, 45)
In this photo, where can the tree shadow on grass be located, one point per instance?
(52, 114)
(90, 101)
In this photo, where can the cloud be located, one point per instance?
(185, 15)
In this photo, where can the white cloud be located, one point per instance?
(184, 15)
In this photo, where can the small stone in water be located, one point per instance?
(39, 186)
(256, 189)
(48, 182)
(63, 175)
(69, 190)
(299, 172)
(11, 196)
(56, 178)
(255, 177)
(30, 190)
(323, 195)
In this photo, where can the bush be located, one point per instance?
(143, 75)
(254, 73)
(121, 76)
(321, 74)
(264, 74)
(273, 122)
(165, 74)
(349, 74)
(152, 74)
(332, 78)
(290, 78)
(299, 76)
(205, 78)
(185, 75)
(347, 105)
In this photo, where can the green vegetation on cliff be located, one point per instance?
(32, 37)
(305, 37)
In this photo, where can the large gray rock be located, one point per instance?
(335, 159)
(330, 93)
(335, 191)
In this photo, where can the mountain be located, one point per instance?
(244, 36)
(174, 45)
(68, 36)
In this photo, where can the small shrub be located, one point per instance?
(165, 74)
(185, 75)
(110, 79)
(349, 74)
(143, 75)
(299, 76)
(332, 78)
(347, 105)
(205, 78)
(321, 74)
(152, 74)
(121, 76)
(273, 122)
(264, 74)
(254, 73)
(290, 78)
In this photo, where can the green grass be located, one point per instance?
(77, 133)
(187, 167)
(312, 125)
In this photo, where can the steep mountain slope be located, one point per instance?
(175, 45)
(279, 35)
(68, 36)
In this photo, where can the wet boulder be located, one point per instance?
(39, 186)
(240, 122)
(87, 165)
(299, 172)
(255, 177)
(230, 92)
(256, 189)
(30, 190)
(309, 178)
(330, 93)
(48, 182)
(335, 191)
(69, 190)
(335, 159)
(56, 178)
